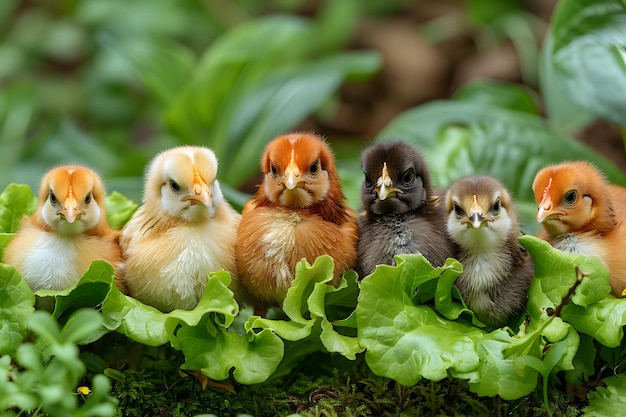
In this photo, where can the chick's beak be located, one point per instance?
(384, 184)
(476, 218)
(545, 209)
(201, 193)
(292, 174)
(70, 210)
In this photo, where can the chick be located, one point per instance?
(401, 213)
(582, 213)
(298, 212)
(68, 231)
(497, 270)
(184, 230)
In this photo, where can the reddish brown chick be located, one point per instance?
(298, 212)
(582, 213)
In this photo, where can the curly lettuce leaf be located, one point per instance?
(145, 324)
(408, 342)
(311, 296)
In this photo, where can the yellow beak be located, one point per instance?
(384, 184)
(475, 218)
(292, 173)
(201, 191)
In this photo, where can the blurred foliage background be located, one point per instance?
(110, 83)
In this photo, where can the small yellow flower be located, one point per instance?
(83, 390)
(624, 293)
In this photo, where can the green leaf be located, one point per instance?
(90, 291)
(83, 326)
(119, 210)
(311, 295)
(589, 54)
(405, 341)
(147, 325)
(16, 201)
(559, 109)
(499, 94)
(163, 65)
(608, 401)
(216, 353)
(17, 303)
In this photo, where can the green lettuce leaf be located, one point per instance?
(147, 325)
(608, 401)
(17, 303)
(311, 302)
(119, 210)
(16, 201)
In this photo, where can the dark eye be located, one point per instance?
(53, 198)
(314, 167)
(570, 197)
(457, 210)
(88, 198)
(408, 177)
(367, 181)
(274, 170)
(174, 186)
(496, 207)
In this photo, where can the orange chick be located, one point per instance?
(298, 212)
(68, 231)
(184, 230)
(582, 213)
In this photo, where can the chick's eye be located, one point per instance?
(496, 207)
(570, 197)
(367, 180)
(457, 210)
(88, 198)
(408, 177)
(53, 198)
(174, 186)
(274, 170)
(315, 167)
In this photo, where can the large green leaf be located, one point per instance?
(17, 303)
(589, 52)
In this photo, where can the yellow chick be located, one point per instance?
(56, 245)
(184, 230)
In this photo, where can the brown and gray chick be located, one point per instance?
(497, 270)
(400, 213)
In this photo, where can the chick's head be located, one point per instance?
(480, 212)
(396, 180)
(182, 182)
(299, 170)
(572, 196)
(71, 199)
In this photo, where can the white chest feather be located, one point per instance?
(583, 243)
(51, 263)
(278, 245)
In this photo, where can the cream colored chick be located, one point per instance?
(56, 245)
(184, 230)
